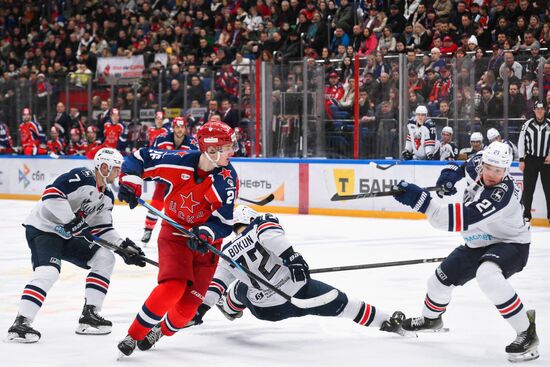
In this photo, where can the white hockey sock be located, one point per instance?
(97, 281)
(363, 313)
(231, 305)
(36, 290)
(437, 298)
(492, 282)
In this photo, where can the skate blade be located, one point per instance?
(84, 329)
(442, 330)
(523, 357)
(407, 333)
(15, 338)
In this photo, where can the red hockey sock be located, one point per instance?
(179, 315)
(161, 299)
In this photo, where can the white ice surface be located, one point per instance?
(477, 338)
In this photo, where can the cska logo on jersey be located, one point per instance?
(225, 173)
(188, 202)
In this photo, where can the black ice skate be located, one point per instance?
(152, 337)
(424, 324)
(393, 325)
(90, 323)
(230, 316)
(146, 235)
(127, 345)
(524, 348)
(22, 332)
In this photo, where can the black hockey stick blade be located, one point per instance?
(114, 247)
(376, 265)
(268, 199)
(366, 195)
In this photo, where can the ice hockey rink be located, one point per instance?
(477, 334)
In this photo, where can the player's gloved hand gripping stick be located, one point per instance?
(301, 303)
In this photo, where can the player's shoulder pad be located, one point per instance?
(267, 222)
(429, 123)
(501, 194)
(72, 180)
(222, 176)
(109, 193)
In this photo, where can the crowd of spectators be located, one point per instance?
(495, 48)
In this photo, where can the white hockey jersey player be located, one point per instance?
(421, 136)
(263, 259)
(75, 193)
(487, 215)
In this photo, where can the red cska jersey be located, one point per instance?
(154, 132)
(56, 146)
(78, 148)
(115, 135)
(31, 134)
(189, 200)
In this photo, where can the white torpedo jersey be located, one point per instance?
(71, 194)
(257, 248)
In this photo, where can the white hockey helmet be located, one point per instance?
(447, 129)
(243, 214)
(497, 154)
(476, 137)
(421, 110)
(111, 157)
(492, 134)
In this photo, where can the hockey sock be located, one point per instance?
(231, 305)
(150, 221)
(500, 292)
(161, 299)
(437, 298)
(36, 290)
(97, 281)
(363, 313)
(158, 203)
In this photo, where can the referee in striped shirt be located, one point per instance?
(534, 158)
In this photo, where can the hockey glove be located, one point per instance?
(130, 189)
(197, 320)
(413, 196)
(407, 155)
(447, 180)
(79, 228)
(299, 269)
(131, 253)
(203, 237)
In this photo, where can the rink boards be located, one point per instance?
(302, 186)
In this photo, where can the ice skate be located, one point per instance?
(22, 332)
(524, 348)
(126, 346)
(146, 235)
(152, 337)
(424, 324)
(393, 325)
(90, 323)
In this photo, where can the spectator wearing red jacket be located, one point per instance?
(33, 141)
(449, 47)
(55, 145)
(333, 92)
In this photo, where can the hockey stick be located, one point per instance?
(367, 195)
(268, 199)
(376, 265)
(301, 303)
(112, 246)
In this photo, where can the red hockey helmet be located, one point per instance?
(115, 111)
(54, 129)
(216, 134)
(75, 131)
(91, 129)
(179, 121)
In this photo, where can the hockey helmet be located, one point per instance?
(75, 131)
(243, 214)
(421, 110)
(476, 137)
(216, 134)
(111, 157)
(497, 154)
(492, 134)
(447, 129)
(179, 121)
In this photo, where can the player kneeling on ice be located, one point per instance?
(73, 209)
(490, 218)
(262, 247)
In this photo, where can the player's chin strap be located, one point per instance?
(301, 303)
(214, 162)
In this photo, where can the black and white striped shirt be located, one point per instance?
(534, 139)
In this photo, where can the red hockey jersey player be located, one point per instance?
(115, 132)
(176, 140)
(92, 143)
(160, 128)
(55, 145)
(75, 146)
(33, 140)
(202, 188)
